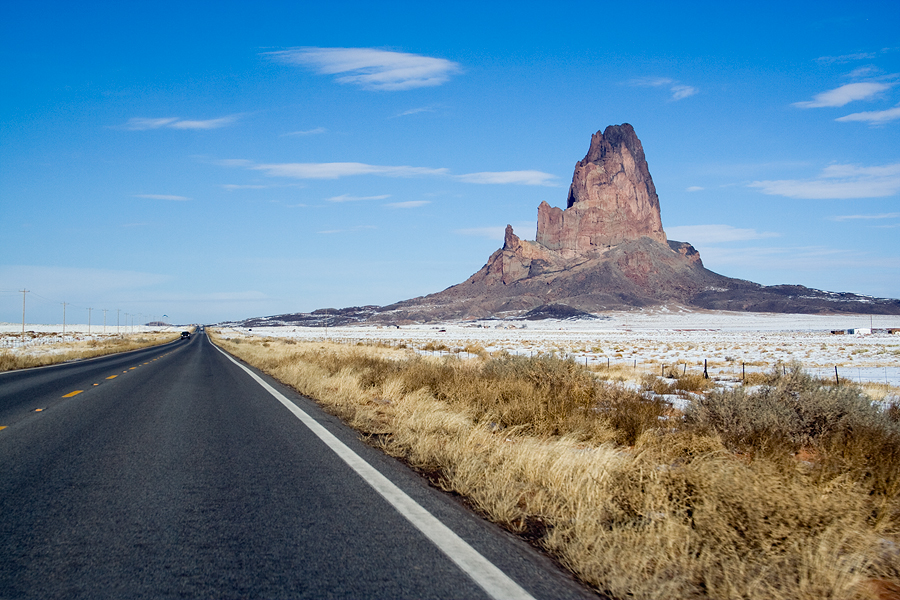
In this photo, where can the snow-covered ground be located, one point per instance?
(652, 339)
(47, 339)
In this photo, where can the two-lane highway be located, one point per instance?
(175, 472)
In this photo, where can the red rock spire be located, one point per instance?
(612, 198)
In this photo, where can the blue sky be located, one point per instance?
(215, 161)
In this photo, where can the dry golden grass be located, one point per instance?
(52, 354)
(636, 501)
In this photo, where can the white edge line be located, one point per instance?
(494, 581)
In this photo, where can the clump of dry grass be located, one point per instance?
(637, 505)
(51, 354)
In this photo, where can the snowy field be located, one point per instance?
(50, 339)
(651, 340)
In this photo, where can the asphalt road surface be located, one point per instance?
(176, 472)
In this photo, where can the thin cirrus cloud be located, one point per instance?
(371, 68)
(844, 95)
(316, 131)
(407, 204)
(510, 177)
(894, 215)
(838, 182)
(679, 91)
(336, 170)
(349, 198)
(715, 234)
(415, 111)
(144, 124)
(161, 197)
(874, 117)
(845, 58)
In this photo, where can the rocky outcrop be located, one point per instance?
(612, 199)
(606, 251)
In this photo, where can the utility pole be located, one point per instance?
(104, 321)
(23, 313)
(89, 320)
(64, 320)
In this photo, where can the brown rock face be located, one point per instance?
(612, 199)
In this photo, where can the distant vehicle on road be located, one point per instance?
(185, 335)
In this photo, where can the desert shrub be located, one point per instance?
(657, 385)
(693, 382)
(892, 412)
(629, 414)
(794, 409)
(431, 346)
(476, 349)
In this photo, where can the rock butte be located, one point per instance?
(606, 251)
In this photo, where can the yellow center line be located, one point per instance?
(75, 393)
(112, 376)
(3, 427)
(132, 368)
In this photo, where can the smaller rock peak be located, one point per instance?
(510, 240)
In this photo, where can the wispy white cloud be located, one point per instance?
(144, 124)
(650, 81)
(342, 169)
(507, 177)
(867, 71)
(336, 170)
(845, 58)
(845, 94)
(894, 215)
(349, 198)
(874, 117)
(205, 124)
(161, 197)
(371, 68)
(715, 234)
(838, 182)
(407, 204)
(679, 91)
(415, 111)
(694, 188)
(315, 131)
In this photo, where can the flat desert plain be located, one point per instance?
(649, 341)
